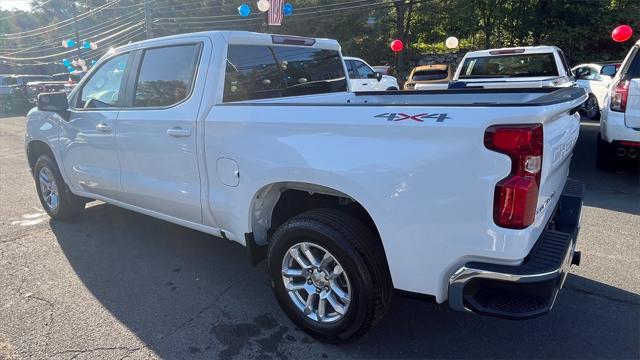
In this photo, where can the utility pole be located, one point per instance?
(75, 28)
(147, 20)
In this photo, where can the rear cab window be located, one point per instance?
(502, 66)
(262, 72)
(431, 74)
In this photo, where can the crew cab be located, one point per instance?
(460, 195)
(619, 136)
(522, 67)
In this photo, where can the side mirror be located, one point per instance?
(378, 76)
(55, 101)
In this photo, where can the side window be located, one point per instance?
(252, 73)
(634, 68)
(166, 75)
(565, 64)
(609, 70)
(260, 72)
(103, 89)
(364, 71)
(350, 70)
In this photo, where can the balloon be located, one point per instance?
(397, 46)
(93, 62)
(263, 5)
(66, 62)
(84, 68)
(64, 43)
(71, 43)
(244, 10)
(70, 68)
(86, 44)
(451, 42)
(622, 33)
(287, 9)
(74, 63)
(93, 45)
(81, 62)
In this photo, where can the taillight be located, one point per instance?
(619, 96)
(516, 196)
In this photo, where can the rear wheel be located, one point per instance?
(329, 275)
(55, 197)
(592, 108)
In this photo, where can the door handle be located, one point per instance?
(365, 84)
(104, 128)
(178, 132)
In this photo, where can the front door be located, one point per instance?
(363, 77)
(157, 134)
(89, 154)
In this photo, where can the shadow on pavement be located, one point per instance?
(617, 190)
(187, 294)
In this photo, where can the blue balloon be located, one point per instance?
(287, 9)
(86, 44)
(71, 68)
(93, 62)
(66, 62)
(71, 43)
(244, 10)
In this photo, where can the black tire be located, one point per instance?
(592, 108)
(357, 250)
(69, 206)
(605, 158)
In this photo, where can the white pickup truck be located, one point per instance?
(458, 194)
(521, 67)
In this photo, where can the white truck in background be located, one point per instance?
(461, 195)
(362, 77)
(619, 136)
(510, 68)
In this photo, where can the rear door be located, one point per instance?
(632, 114)
(157, 129)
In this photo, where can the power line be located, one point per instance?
(72, 50)
(88, 32)
(60, 24)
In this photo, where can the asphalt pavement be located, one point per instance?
(116, 284)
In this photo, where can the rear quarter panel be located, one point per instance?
(428, 185)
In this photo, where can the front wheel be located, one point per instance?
(55, 197)
(592, 108)
(329, 274)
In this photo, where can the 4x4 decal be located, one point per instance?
(419, 117)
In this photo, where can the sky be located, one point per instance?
(15, 5)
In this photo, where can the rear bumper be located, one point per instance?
(528, 290)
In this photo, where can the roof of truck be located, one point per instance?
(504, 51)
(234, 37)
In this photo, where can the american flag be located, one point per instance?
(275, 13)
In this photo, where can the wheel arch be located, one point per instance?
(36, 148)
(277, 202)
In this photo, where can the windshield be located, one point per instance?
(435, 74)
(521, 65)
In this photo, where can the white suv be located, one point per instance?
(619, 135)
(362, 77)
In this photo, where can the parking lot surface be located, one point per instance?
(116, 284)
